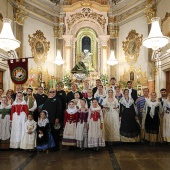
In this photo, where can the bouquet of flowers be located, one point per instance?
(67, 81)
(104, 79)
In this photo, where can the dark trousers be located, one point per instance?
(56, 135)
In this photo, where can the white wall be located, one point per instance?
(141, 27)
(31, 26)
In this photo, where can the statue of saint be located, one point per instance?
(87, 60)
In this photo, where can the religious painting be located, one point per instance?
(132, 46)
(86, 44)
(39, 47)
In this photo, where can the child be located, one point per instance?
(29, 139)
(81, 131)
(76, 100)
(71, 118)
(95, 126)
(44, 137)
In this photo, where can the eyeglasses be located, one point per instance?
(52, 92)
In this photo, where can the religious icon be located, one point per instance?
(39, 47)
(131, 76)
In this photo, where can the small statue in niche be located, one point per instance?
(132, 76)
(88, 60)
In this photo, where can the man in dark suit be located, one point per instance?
(40, 98)
(53, 106)
(98, 82)
(163, 96)
(70, 95)
(132, 92)
(62, 95)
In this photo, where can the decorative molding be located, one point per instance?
(39, 47)
(150, 12)
(20, 14)
(86, 13)
(132, 46)
(59, 31)
(113, 31)
(85, 3)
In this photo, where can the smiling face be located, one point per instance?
(71, 105)
(40, 90)
(58, 87)
(94, 103)
(77, 96)
(52, 93)
(42, 115)
(82, 103)
(126, 93)
(89, 93)
(19, 96)
(110, 93)
(4, 101)
(153, 96)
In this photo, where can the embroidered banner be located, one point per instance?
(19, 70)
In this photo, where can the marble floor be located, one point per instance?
(119, 156)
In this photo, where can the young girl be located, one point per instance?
(81, 131)
(71, 118)
(44, 137)
(76, 100)
(5, 110)
(95, 126)
(18, 117)
(29, 139)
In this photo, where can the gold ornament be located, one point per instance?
(132, 46)
(20, 14)
(39, 47)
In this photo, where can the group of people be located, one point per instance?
(91, 118)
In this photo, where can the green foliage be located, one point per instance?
(104, 79)
(67, 80)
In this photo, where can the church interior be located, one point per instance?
(72, 41)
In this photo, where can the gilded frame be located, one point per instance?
(132, 46)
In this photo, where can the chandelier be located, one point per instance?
(58, 60)
(7, 39)
(155, 40)
(112, 60)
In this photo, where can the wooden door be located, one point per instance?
(168, 81)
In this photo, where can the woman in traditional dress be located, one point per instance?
(44, 136)
(5, 111)
(111, 118)
(29, 139)
(85, 89)
(100, 95)
(118, 93)
(9, 94)
(18, 117)
(81, 131)
(129, 128)
(151, 119)
(95, 126)
(76, 100)
(166, 119)
(70, 122)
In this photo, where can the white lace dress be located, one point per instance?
(29, 140)
(111, 120)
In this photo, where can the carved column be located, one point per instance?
(104, 53)
(19, 16)
(68, 52)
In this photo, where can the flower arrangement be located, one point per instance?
(67, 81)
(104, 79)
